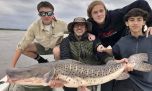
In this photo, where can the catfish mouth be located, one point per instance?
(12, 80)
(15, 74)
(34, 81)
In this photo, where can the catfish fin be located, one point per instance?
(143, 66)
(48, 76)
(123, 76)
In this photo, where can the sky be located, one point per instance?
(19, 14)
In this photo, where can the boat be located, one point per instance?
(4, 85)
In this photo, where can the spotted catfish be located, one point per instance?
(75, 73)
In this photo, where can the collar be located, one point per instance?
(140, 36)
(73, 38)
(42, 25)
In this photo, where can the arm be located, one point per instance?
(97, 46)
(101, 48)
(65, 49)
(116, 51)
(143, 4)
(16, 57)
(28, 38)
(65, 29)
(128, 66)
(104, 54)
(118, 14)
(91, 37)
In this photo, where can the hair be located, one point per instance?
(91, 6)
(76, 20)
(45, 4)
(136, 12)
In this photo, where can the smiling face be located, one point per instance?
(79, 29)
(135, 24)
(98, 14)
(46, 19)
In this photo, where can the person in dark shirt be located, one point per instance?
(135, 42)
(109, 27)
(77, 46)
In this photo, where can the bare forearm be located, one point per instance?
(108, 49)
(16, 57)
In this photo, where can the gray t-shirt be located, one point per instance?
(129, 45)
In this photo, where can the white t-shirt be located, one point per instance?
(48, 27)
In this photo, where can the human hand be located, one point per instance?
(12, 66)
(124, 60)
(9, 80)
(101, 48)
(56, 83)
(91, 37)
(128, 66)
(149, 31)
(83, 88)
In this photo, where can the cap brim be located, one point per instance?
(71, 25)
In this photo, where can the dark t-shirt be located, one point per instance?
(114, 27)
(129, 45)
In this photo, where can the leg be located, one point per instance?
(30, 51)
(69, 89)
(56, 53)
(33, 50)
(34, 88)
(92, 88)
(107, 86)
(125, 85)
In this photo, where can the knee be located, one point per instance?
(30, 48)
(24, 52)
(56, 52)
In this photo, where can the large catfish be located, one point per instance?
(75, 73)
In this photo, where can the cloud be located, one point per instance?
(68, 10)
(6, 8)
(21, 13)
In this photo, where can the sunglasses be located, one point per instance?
(49, 13)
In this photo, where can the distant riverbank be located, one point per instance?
(8, 42)
(3, 29)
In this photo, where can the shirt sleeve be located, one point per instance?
(116, 51)
(27, 39)
(96, 43)
(64, 27)
(65, 49)
(142, 4)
